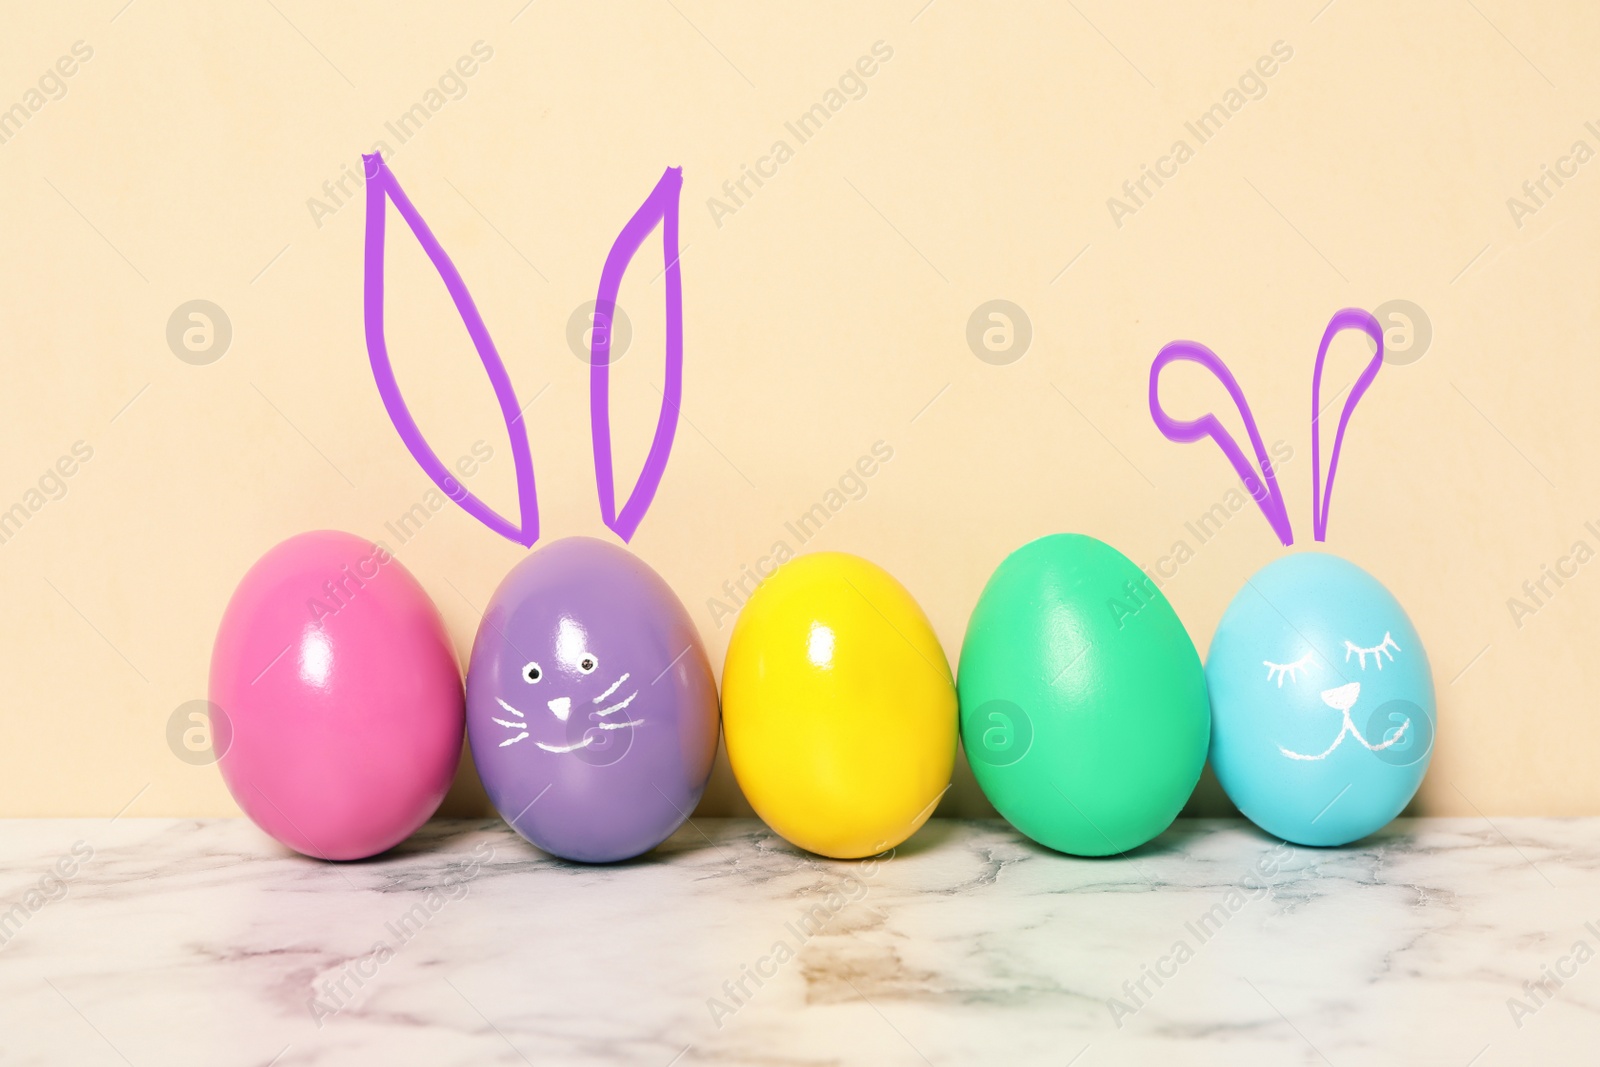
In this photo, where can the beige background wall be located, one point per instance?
(825, 314)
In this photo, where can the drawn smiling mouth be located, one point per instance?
(561, 708)
(562, 748)
(1343, 698)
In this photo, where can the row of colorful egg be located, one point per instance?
(592, 709)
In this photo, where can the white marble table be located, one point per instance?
(178, 942)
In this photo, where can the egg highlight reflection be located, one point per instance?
(591, 706)
(1322, 701)
(839, 710)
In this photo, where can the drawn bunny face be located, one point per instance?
(1321, 694)
(591, 706)
(568, 665)
(1322, 700)
(1340, 678)
(589, 691)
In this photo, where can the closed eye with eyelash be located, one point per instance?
(1386, 647)
(1292, 670)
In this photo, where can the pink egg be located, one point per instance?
(340, 708)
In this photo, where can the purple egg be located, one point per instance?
(591, 706)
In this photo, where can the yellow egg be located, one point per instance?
(838, 707)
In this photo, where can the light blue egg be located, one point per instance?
(1322, 705)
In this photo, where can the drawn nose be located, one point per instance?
(561, 707)
(1342, 697)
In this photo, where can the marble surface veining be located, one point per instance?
(1440, 941)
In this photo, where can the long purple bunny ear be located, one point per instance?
(382, 189)
(661, 206)
(1348, 319)
(1268, 497)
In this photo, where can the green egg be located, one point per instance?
(1083, 702)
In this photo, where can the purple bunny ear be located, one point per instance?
(661, 206)
(1268, 497)
(382, 189)
(1348, 319)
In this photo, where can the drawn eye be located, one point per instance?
(1383, 648)
(1290, 670)
(587, 664)
(531, 673)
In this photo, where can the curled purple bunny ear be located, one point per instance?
(1347, 319)
(661, 206)
(383, 189)
(1267, 495)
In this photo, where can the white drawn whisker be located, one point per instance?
(614, 685)
(514, 740)
(509, 708)
(619, 705)
(618, 725)
(513, 725)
